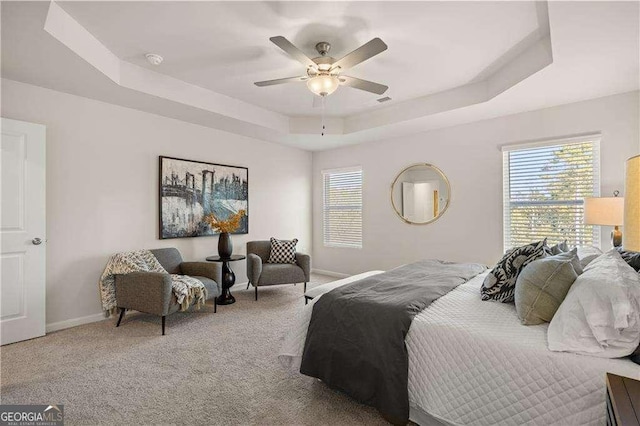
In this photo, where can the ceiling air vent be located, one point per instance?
(385, 99)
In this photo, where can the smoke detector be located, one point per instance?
(154, 59)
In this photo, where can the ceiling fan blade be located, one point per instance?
(281, 81)
(361, 54)
(367, 86)
(293, 51)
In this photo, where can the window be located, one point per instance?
(342, 207)
(544, 191)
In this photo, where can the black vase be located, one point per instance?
(225, 246)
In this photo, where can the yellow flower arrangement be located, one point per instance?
(225, 226)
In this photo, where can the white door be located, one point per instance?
(418, 200)
(408, 204)
(22, 231)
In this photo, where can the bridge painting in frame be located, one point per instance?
(190, 190)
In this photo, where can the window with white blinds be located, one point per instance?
(342, 207)
(544, 191)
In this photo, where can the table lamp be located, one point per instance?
(632, 205)
(607, 211)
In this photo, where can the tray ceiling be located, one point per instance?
(225, 47)
(447, 62)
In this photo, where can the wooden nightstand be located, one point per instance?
(623, 401)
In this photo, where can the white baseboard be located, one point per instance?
(61, 325)
(330, 273)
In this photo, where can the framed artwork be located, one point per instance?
(191, 190)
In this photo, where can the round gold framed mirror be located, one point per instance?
(420, 194)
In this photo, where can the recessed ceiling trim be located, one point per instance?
(75, 37)
(164, 86)
(197, 104)
(534, 53)
(68, 32)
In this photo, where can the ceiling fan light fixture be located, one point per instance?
(323, 84)
(323, 74)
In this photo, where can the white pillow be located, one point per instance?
(601, 314)
(587, 254)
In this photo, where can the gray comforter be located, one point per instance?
(355, 340)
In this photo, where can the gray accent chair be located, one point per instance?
(261, 273)
(151, 292)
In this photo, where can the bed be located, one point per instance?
(473, 363)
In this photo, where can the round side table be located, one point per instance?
(228, 277)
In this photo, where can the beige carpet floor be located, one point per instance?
(210, 369)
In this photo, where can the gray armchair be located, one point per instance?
(151, 292)
(261, 273)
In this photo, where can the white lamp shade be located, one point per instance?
(604, 211)
(323, 84)
(631, 238)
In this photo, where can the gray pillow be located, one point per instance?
(562, 247)
(572, 255)
(542, 286)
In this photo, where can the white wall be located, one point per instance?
(471, 229)
(102, 188)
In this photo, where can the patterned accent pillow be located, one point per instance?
(282, 251)
(500, 284)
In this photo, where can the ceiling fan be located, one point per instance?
(323, 73)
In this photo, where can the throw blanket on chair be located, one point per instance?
(186, 289)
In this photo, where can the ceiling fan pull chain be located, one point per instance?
(323, 101)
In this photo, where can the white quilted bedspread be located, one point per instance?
(473, 363)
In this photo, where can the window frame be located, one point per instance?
(325, 208)
(594, 138)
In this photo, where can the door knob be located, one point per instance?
(36, 241)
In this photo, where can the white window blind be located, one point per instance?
(544, 191)
(342, 207)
